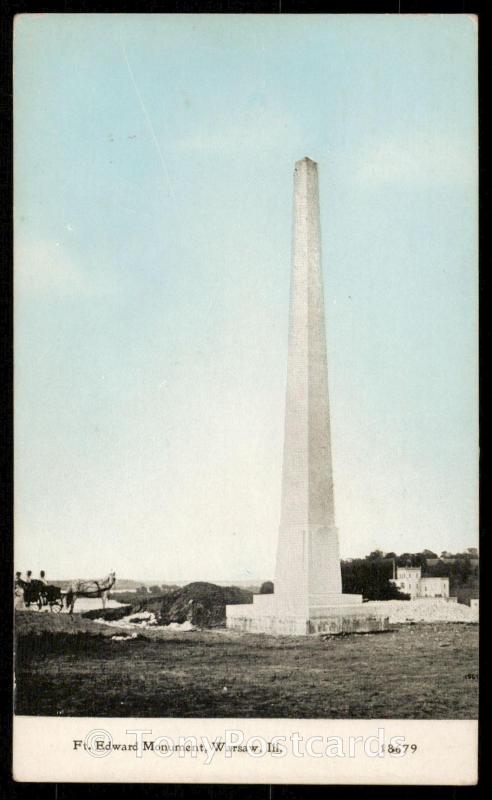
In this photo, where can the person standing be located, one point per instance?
(42, 578)
(18, 591)
(27, 588)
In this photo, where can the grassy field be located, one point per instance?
(73, 668)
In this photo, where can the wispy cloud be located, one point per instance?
(45, 267)
(417, 160)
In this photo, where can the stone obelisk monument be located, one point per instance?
(308, 585)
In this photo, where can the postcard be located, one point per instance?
(246, 398)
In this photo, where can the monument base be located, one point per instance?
(343, 613)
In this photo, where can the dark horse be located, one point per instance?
(82, 588)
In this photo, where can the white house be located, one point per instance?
(410, 581)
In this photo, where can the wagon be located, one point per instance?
(36, 593)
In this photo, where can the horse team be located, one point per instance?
(37, 591)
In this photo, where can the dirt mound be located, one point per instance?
(202, 604)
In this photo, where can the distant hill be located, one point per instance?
(252, 585)
(129, 584)
(121, 583)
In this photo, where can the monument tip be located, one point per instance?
(306, 160)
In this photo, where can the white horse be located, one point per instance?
(81, 588)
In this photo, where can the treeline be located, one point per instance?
(370, 576)
(164, 588)
(462, 571)
(141, 592)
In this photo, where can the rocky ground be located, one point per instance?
(429, 609)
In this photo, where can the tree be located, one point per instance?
(266, 587)
(461, 569)
(439, 570)
(372, 579)
(376, 554)
(406, 560)
(419, 560)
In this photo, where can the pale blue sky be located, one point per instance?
(154, 159)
